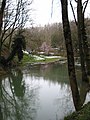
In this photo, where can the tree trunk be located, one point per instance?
(81, 39)
(86, 47)
(70, 55)
(1, 22)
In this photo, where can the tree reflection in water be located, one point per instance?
(19, 97)
(58, 73)
(14, 103)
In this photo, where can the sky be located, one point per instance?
(42, 10)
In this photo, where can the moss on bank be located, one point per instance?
(83, 114)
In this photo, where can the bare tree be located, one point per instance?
(14, 15)
(82, 37)
(70, 55)
(15, 18)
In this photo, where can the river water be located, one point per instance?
(40, 92)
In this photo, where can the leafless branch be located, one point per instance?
(76, 0)
(86, 3)
(73, 12)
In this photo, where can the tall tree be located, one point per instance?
(3, 4)
(13, 17)
(16, 16)
(70, 55)
(84, 35)
(82, 39)
(2, 13)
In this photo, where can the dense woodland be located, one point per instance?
(75, 42)
(52, 35)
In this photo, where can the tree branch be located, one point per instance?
(86, 3)
(73, 12)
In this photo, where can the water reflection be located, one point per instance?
(14, 102)
(50, 72)
(84, 89)
(18, 84)
(40, 92)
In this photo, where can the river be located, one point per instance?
(40, 92)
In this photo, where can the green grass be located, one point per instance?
(27, 58)
(83, 114)
(31, 59)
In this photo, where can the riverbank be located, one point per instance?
(83, 114)
(29, 60)
(41, 59)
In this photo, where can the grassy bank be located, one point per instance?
(83, 114)
(40, 59)
(31, 59)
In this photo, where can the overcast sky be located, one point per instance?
(43, 9)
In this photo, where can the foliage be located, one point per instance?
(53, 36)
(17, 47)
(27, 58)
(55, 40)
(83, 114)
(36, 36)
